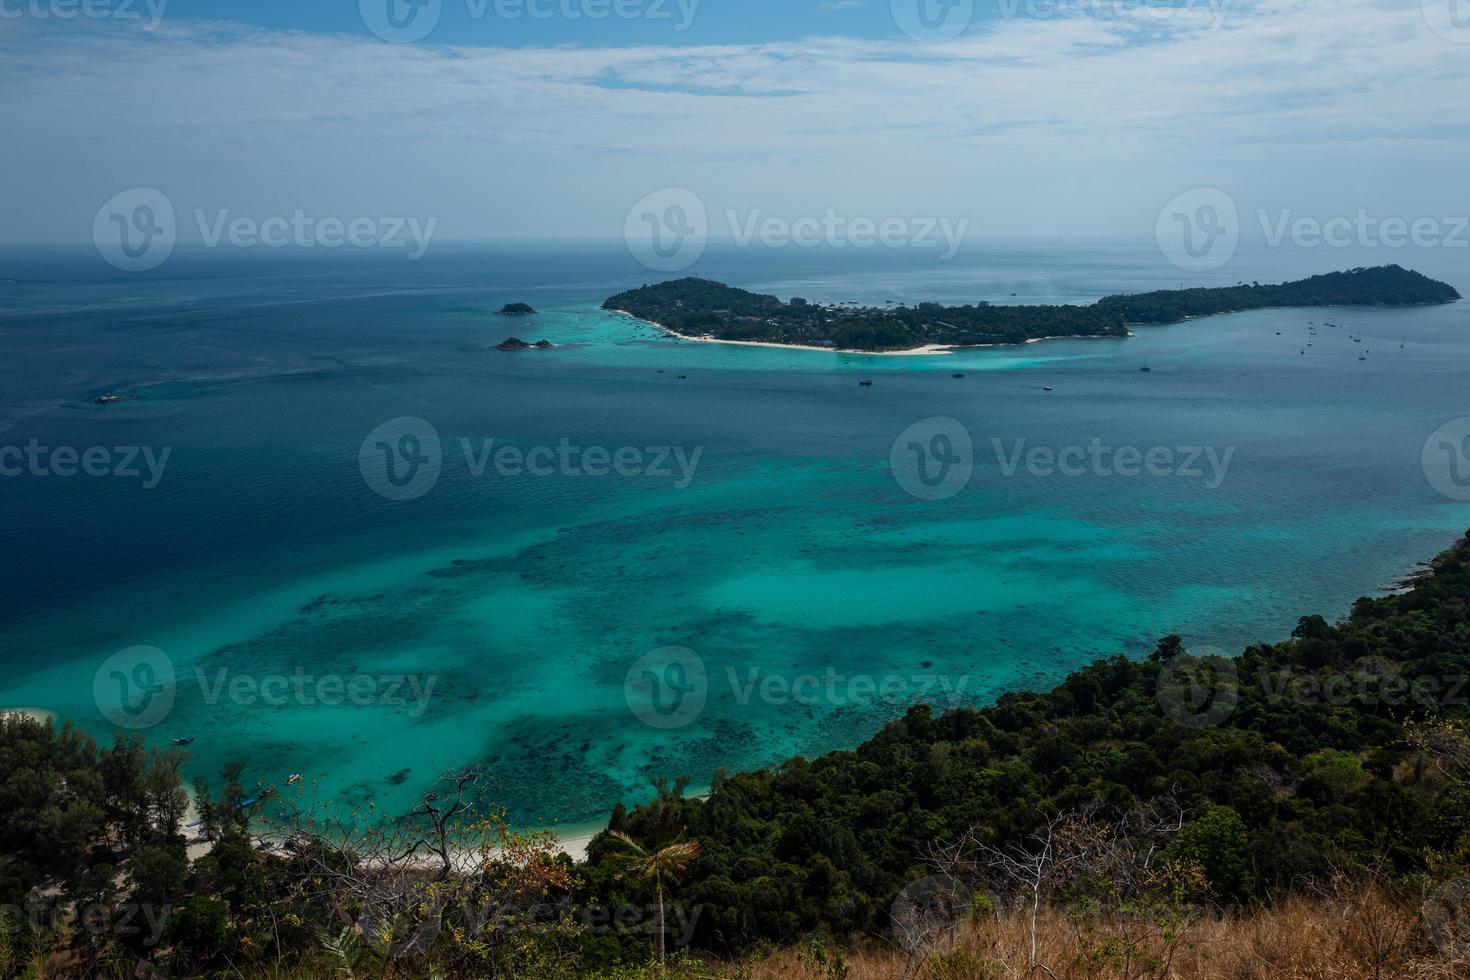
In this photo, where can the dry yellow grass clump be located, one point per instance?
(1351, 934)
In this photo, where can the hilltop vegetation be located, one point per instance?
(701, 308)
(1388, 285)
(698, 308)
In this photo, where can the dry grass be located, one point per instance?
(1351, 934)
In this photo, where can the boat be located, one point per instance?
(1145, 370)
(184, 740)
(1047, 388)
(293, 779)
(865, 384)
(958, 375)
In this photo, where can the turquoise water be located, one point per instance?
(792, 552)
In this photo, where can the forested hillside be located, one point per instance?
(1302, 758)
(701, 308)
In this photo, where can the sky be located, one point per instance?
(551, 119)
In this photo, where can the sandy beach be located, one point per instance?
(926, 350)
(1037, 340)
(196, 846)
(576, 846)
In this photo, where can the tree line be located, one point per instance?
(700, 307)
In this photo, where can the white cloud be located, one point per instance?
(1052, 126)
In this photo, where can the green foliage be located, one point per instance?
(157, 873)
(699, 307)
(696, 307)
(352, 956)
(1389, 285)
(201, 929)
(69, 810)
(823, 963)
(1216, 843)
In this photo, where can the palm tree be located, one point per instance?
(663, 867)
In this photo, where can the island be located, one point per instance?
(700, 309)
(517, 344)
(515, 309)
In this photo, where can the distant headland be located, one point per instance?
(699, 309)
(515, 309)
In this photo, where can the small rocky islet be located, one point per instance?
(517, 344)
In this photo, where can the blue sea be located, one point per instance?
(378, 549)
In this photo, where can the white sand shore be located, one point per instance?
(576, 847)
(271, 840)
(926, 350)
(1037, 340)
